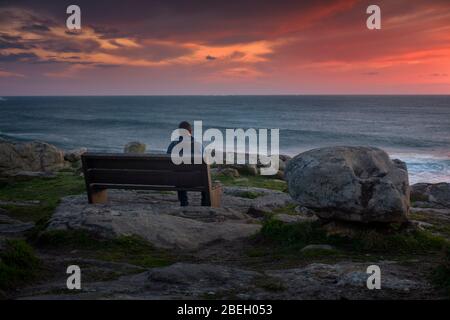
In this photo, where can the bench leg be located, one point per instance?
(216, 197)
(99, 196)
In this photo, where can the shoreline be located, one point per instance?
(422, 168)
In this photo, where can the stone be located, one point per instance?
(229, 172)
(436, 194)
(9, 225)
(246, 169)
(31, 156)
(158, 218)
(285, 158)
(74, 155)
(209, 275)
(304, 211)
(135, 147)
(16, 228)
(279, 175)
(292, 219)
(350, 183)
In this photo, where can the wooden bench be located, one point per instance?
(104, 171)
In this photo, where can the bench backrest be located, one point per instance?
(145, 170)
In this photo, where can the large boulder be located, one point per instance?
(135, 147)
(434, 194)
(74, 155)
(31, 156)
(350, 183)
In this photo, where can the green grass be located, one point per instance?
(46, 190)
(365, 240)
(441, 274)
(129, 249)
(18, 264)
(288, 209)
(252, 181)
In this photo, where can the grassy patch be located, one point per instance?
(289, 209)
(129, 249)
(252, 181)
(441, 275)
(48, 191)
(18, 264)
(296, 236)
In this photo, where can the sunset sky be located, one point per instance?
(224, 47)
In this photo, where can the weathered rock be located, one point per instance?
(285, 158)
(31, 156)
(74, 155)
(246, 169)
(171, 282)
(291, 219)
(304, 211)
(344, 280)
(210, 275)
(9, 225)
(229, 172)
(279, 175)
(435, 194)
(348, 280)
(350, 183)
(158, 218)
(135, 147)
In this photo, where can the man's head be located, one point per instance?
(185, 125)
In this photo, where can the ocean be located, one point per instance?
(415, 129)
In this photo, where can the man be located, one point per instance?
(182, 195)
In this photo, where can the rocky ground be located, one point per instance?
(206, 253)
(259, 244)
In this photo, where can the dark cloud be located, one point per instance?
(18, 57)
(65, 46)
(11, 45)
(208, 57)
(36, 28)
(105, 32)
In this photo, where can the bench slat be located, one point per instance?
(141, 177)
(143, 187)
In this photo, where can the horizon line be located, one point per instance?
(227, 95)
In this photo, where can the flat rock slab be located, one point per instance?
(9, 225)
(348, 280)
(157, 216)
(197, 281)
